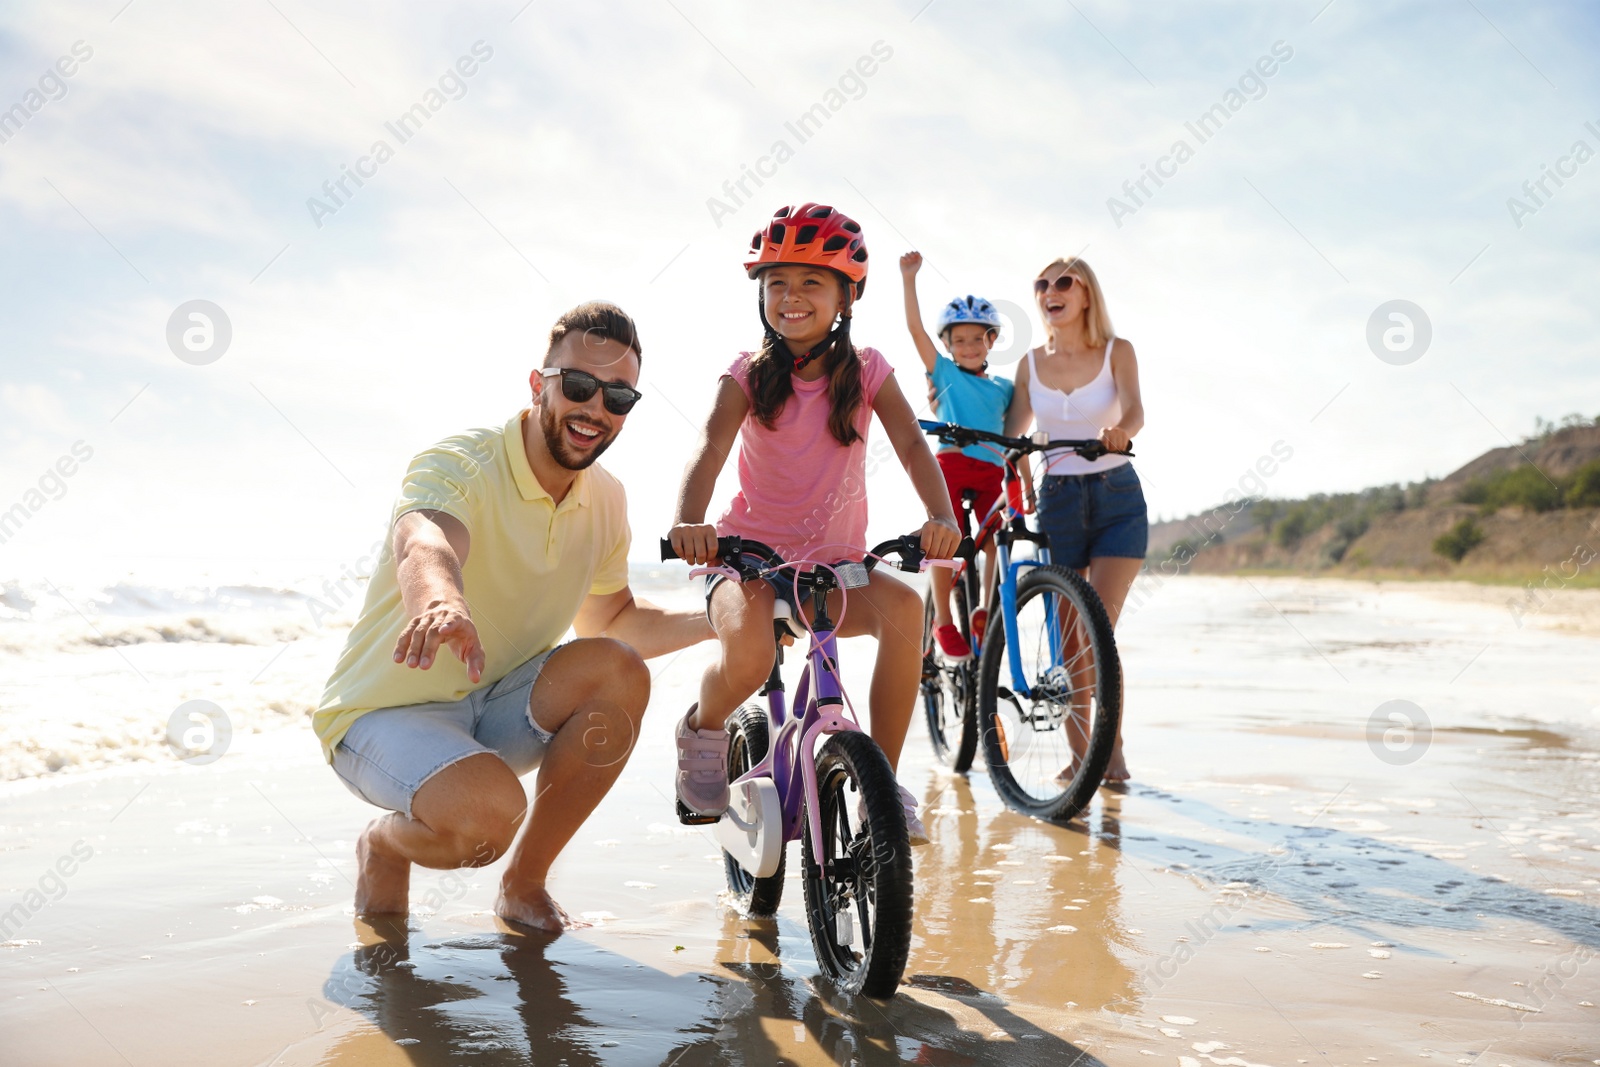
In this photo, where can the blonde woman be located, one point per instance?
(1083, 382)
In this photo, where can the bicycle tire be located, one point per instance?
(867, 870)
(1008, 738)
(949, 692)
(748, 741)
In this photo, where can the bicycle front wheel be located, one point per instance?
(948, 691)
(858, 892)
(1047, 750)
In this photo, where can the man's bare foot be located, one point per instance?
(534, 907)
(383, 882)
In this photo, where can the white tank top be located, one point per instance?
(1076, 415)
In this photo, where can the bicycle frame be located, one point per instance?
(1012, 527)
(790, 761)
(1015, 528)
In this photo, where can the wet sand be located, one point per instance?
(1281, 884)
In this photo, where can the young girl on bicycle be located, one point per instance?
(967, 396)
(801, 407)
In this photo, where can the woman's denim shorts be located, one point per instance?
(387, 754)
(1089, 516)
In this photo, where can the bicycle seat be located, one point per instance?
(783, 613)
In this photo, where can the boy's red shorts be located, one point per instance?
(961, 472)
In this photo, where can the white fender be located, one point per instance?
(751, 830)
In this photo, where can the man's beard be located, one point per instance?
(555, 439)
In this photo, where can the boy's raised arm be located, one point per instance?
(909, 264)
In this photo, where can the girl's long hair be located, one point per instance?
(772, 365)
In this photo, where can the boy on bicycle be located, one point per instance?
(967, 396)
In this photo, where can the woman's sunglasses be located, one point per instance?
(1062, 283)
(579, 385)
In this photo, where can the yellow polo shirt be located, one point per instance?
(531, 564)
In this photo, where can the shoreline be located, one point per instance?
(1573, 607)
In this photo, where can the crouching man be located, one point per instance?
(503, 539)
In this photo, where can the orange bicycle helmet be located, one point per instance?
(814, 235)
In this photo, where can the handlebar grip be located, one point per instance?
(728, 548)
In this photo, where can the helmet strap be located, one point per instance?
(805, 358)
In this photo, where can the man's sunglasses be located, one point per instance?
(1062, 283)
(579, 385)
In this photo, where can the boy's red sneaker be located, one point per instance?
(951, 643)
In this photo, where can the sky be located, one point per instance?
(1356, 154)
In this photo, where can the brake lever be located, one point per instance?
(911, 554)
(724, 570)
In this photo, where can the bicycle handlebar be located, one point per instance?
(732, 551)
(962, 436)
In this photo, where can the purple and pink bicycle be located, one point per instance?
(811, 773)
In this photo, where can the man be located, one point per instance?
(502, 540)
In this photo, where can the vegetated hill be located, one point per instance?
(1528, 512)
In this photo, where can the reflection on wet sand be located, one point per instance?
(1319, 875)
(504, 998)
(1019, 906)
(778, 1016)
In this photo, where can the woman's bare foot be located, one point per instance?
(534, 907)
(383, 881)
(1117, 770)
(1069, 772)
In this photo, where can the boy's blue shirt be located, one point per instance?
(969, 400)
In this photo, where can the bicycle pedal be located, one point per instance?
(694, 818)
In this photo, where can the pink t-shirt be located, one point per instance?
(800, 491)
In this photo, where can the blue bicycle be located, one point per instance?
(819, 777)
(1045, 695)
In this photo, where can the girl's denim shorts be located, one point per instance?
(1088, 516)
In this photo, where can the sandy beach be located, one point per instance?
(1283, 883)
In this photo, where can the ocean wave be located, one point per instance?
(66, 709)
(40, 600)
(196, 629)
(42, 615)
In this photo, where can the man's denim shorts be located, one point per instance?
(1087, 516)
(387, 754)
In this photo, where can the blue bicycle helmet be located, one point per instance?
(973, 309)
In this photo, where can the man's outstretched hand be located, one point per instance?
(449, 623)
